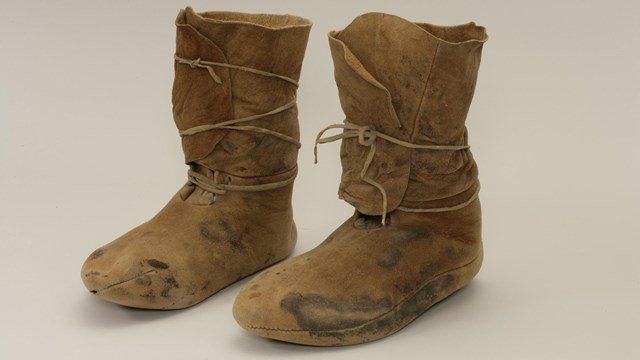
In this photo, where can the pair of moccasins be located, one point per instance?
(415, 236)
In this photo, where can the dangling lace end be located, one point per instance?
(197, 63)
(213, 74)
(318, 141)
(384, 205)
(315, 153)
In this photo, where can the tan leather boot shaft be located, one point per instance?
(418, 84)
(267, 43)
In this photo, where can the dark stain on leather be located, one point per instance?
(96, 254)
(220, 231)
(169, 283)
(317, 313)
(427, 272)
(395, 318)
(157, 264)
(418, 232)
(389, 257)
(149, 295)
(419, 302)
(92, 273)
(206, 285)
(144, 280)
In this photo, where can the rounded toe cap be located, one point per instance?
(129, 282)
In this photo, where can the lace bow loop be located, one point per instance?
(368, 136)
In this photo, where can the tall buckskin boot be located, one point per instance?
(236, 77)
(415, 236)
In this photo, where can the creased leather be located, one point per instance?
(429, 73)
(249, 44)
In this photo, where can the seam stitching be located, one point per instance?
(377, 317)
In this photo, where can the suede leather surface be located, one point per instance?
(364, 282)
(428, 74)
(201, 242)
(368, 280)
(279, 50)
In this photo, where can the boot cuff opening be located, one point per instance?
(269, 21)
(453, 35)
(456, 34)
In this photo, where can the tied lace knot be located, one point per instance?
(211, 184)
(208, 65)
(367, 136)
(198, 63)
(194, 63)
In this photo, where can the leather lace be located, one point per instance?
(212, 184)
(367, 137)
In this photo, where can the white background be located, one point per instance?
(88, 150)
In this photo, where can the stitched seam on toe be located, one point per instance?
(125, 281)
